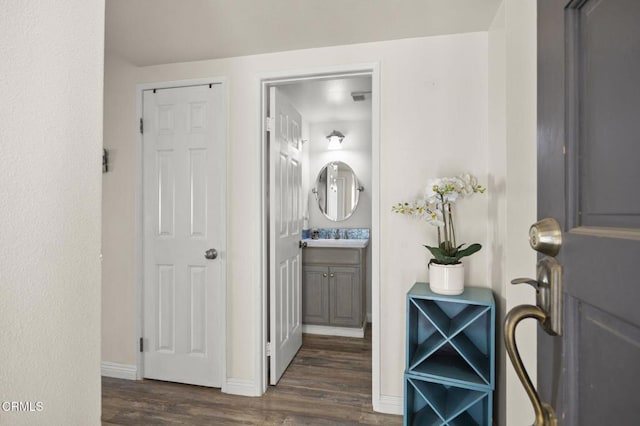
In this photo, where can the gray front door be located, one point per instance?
(589, 179)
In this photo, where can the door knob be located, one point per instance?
(211, 254)
(302, 244)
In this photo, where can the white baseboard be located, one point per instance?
(241, 387)
(333, 331)
(118, 371)
(389, 404)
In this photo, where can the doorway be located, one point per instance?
(318, 95)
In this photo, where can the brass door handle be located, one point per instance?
(548, 293)
(545, 236)
(545, 415)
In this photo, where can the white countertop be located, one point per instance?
(340, 243)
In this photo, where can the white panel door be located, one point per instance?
(184, 207)
(285, 227)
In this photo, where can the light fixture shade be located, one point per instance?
(335, 139)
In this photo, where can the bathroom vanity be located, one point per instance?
(334, 260)
(333, 287)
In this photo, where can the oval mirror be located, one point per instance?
(337, 191)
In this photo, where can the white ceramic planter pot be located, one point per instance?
(446, 279)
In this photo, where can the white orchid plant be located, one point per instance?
(436, 207)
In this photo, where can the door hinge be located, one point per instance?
(141, 126)
(268, 348)
(141, 344)
(270, 123)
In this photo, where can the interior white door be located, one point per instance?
(184, 216)
(285, 227)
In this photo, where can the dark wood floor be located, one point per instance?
(328, 383)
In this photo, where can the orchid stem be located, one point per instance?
(453, 232)
(446, 228)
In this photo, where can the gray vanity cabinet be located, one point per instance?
(345, 296)
(333, 289)
(315, 294)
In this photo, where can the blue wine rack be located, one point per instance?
(450, 365)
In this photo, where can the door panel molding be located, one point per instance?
(598, 195)
(606, 232)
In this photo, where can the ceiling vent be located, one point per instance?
(359, 96)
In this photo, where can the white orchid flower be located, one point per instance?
(436, 209)
(429, 191)
(435, 218)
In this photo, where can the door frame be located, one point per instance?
(261, 330)
(139, 219)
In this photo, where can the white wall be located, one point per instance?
(512, 188)
(433, 94)
(434, 113)
(51, 70)
(118, 217)
(521, 102)
(497, 193)
(356, 152)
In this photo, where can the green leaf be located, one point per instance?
(437, 253)
(473, 248)
(443, 256)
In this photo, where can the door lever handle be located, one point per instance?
(533, 283)
(548, 293)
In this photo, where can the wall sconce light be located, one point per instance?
(335, 139)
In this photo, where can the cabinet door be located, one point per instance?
(345, 289)
(315, 295)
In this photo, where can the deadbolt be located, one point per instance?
(211, 254)
(545, 236)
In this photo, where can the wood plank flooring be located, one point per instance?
(328, 383)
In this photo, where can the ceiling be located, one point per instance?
(151, 32)
(321, 101)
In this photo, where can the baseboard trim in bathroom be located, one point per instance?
(333, 331)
